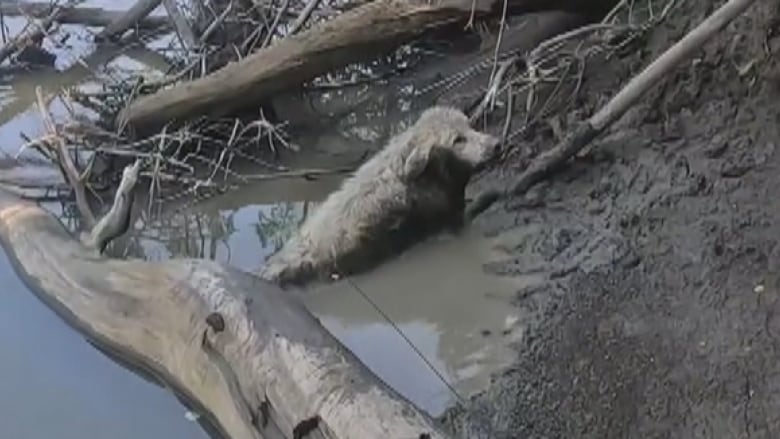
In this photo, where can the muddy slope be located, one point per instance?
(660, 316)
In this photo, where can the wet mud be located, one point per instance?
(657, 310)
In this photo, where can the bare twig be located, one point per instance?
(117, 220)
(180, 23)
(299, 22)
(272, 29)
(588, 130)
(65, 162)
(215, 24)
(493, 89)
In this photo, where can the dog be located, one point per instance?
(412, 188)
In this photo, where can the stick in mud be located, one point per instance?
(588, 130)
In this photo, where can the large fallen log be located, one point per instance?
(356, 35)
(243, 351)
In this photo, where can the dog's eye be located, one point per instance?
(460, 139)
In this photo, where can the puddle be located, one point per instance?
(458, 318)
(436, 294)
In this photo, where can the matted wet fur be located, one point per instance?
(412, 188)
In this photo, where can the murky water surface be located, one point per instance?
(425, 322)
(53, 383)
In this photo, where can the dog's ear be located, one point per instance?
(416, 162)
(420, 156)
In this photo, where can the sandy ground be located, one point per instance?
(660, 314)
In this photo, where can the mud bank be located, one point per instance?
(659, 314)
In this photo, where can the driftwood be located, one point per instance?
(586, 131)
(246, 353)
(356, 35)
(87, 16)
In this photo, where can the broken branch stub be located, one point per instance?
(117, 220)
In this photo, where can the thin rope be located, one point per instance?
(408, 341)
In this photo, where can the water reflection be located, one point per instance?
(54, 384)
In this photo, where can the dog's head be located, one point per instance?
(446, 130)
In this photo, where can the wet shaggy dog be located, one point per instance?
(412, 188)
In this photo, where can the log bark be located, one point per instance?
(249, 356)
(356, 35)
(87, 16)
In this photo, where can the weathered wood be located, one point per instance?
(356, 35)
(140, 10)
(245, 351)
(88, 16)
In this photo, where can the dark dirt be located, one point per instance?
(660, 317)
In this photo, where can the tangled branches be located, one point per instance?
(548, 78)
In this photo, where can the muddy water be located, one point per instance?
(436, 295)
(423, 322)
(431, 323)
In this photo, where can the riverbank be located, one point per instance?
(658, 315)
